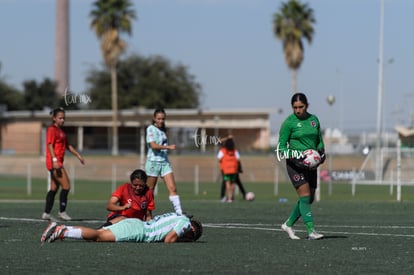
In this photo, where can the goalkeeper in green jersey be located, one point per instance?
(301, 131)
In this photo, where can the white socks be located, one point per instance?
(73, 233)
(175, 200)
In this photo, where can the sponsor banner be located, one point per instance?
(346, 175)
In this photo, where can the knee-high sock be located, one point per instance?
(73, 233)
(294, 215)
(306, 213)
(50, 199)
(175, 200)
(63, 199)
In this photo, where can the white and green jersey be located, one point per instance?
(155, 230)
(158, 228)
(159, 137)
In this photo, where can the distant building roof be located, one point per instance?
(224, 118)
(405, 131)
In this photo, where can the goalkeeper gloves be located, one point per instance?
(322, 154)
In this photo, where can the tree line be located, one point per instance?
(142, 82)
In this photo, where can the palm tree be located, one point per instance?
(109, 19)
(291, 24)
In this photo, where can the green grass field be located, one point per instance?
(369, 233)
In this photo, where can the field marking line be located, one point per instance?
(235, 226)
(262, 227)
(331, 226)
(41, 220)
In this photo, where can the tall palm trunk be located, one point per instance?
(114, 95)
(294, 75)
(62, 46)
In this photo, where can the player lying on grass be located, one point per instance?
(168, 228)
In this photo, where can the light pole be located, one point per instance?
(384, 118)
(378, 164)
(331, 100)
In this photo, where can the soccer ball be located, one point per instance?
(250, 196)
(312, 158)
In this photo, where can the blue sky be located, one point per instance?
(229, 46)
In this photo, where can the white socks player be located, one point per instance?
(175, 200)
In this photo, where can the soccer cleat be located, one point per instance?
(290, 231)
(58, 233)
(47, 216)
(48, 232)
(315, 236)
(64, 216)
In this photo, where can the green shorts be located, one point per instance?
(230, 177)
(128, 230)
(157, 168)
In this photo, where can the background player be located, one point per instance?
(157, 164)
(56, 146)
(229, 164)
(237, 180)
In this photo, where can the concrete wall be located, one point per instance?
(21, 138)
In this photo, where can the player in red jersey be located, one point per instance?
(131, 200)
(56, 145)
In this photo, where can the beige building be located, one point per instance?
(192, 130)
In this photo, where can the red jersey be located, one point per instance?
(57, 138)
(139, 203)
